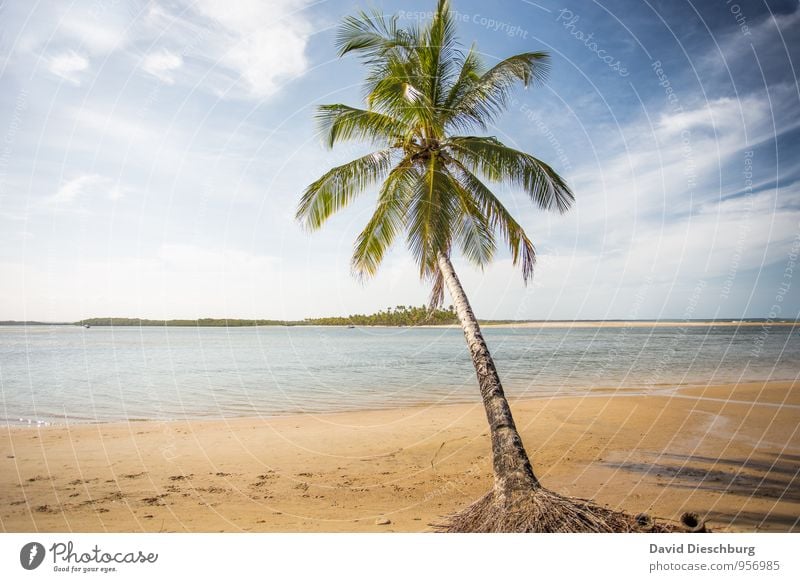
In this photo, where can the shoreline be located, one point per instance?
(664, 389)
(729, 452)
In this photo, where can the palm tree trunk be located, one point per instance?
(512, 468)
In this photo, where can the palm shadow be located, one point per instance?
(756, 520)
(775, 477)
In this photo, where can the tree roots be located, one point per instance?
(540, 510)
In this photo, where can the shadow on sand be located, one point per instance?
(775, 477)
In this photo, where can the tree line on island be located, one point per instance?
(401, 315)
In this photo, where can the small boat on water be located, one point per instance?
(86, 326)
(351, 326)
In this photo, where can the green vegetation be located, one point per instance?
(204, 322)
(400, 315)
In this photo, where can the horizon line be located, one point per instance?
(497, 320)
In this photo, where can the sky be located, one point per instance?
(152, 155)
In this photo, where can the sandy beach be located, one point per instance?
(731, 453)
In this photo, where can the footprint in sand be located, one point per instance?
(82, 481)
(181, 477)
(134, 475)
(213, 489)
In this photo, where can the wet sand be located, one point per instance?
(731, 453)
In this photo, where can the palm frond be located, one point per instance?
(488, 95)
(522, 250)
(387, 220)
(400, 92)
(437, 54)
(468, 76)
(436, 297)
(373, 36)
(474, 230)
(342, 123)
(337, 187)
(500, 163)
(429, 224)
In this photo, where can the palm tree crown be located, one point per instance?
(422, 92)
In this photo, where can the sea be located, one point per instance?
(67, 374)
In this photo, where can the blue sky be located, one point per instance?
(152, 154)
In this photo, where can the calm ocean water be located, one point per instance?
(64, 374)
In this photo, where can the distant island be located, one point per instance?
(403, 316)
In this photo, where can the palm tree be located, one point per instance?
(423, 92)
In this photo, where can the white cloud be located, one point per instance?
(719, 246)
(263, 43)
(240, 48)
(656, 205)
(162, 285)
(186, 258)
(85, 185)
(99, 31)
(162, 64)
(720, 115)
(69, 66)
(766, 35)
(94, 27)
(668, 165)
(103, 122)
